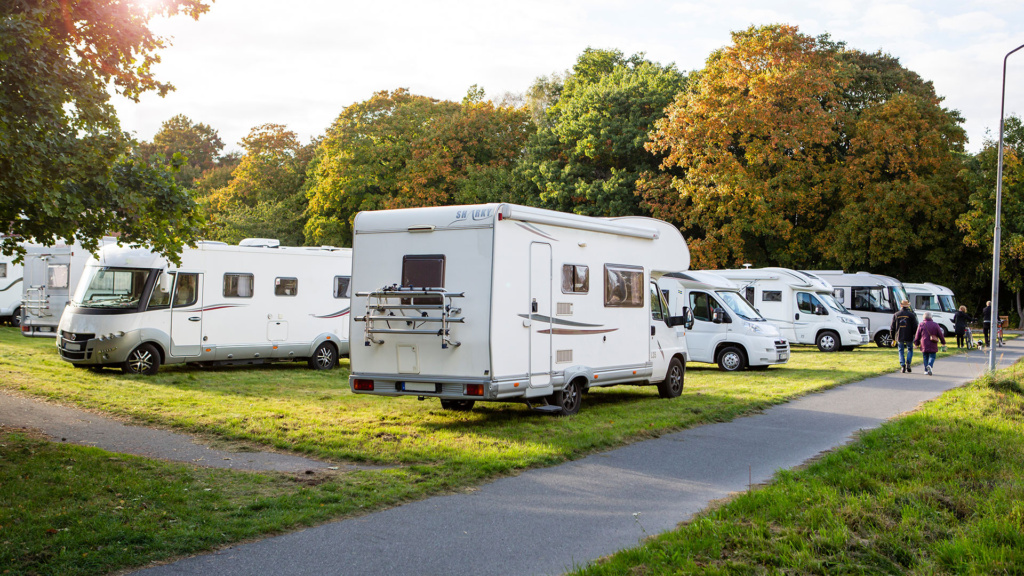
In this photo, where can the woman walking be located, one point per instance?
(960, 320)
(928, 336)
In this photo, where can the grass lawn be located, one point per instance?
(46, 489)
(938, 492)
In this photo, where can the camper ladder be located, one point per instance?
(36, 302)
(408, 310)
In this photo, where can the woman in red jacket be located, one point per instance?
(928, 336)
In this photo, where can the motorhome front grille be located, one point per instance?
(563, 356)
(72, 355)
(73, 337)
(781, 346)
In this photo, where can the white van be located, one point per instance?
(802, 306)
(873, 297)
(247, 304)
(51, 274)
(939, 300)
(726, 329)
(498, 302)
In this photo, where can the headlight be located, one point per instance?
(762, 328)
(848, 320)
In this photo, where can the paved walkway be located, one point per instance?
(549, 520)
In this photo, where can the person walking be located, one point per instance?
(928, 336)
(960, 320)
(903, 329)
(986, 320)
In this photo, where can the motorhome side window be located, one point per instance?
(703, 306)
(3, 269)
(807, 303)
(575, 279)
(186, 291)
(771, 296)
(161, 296)
(423, 271)
(658, 309)
(238, 285)
(286, 286)
(623, 286)
(748, 294)
(876, 299)
(341, 286)
(57, 275)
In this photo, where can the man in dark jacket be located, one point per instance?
(903, 330)
(986, 320)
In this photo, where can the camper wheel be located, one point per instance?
(143, 360)
(828, 341)
(324, 357)
(884, 339)
(568, 398)
(732, 359)
(458, 405)
(16, 317)
(672, 386)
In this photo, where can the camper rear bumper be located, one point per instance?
(445, 387)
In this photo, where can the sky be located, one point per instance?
(301, 62)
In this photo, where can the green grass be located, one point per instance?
(289, 407)
(938, 492)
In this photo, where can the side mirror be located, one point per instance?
(685, 319)
(819, 310)
(719, 316)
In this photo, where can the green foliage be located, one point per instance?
(589, 150)
(199, 143)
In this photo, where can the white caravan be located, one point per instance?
(51, 276)
(873, 297)
(726, 330)
(11, 276)
(938, 300)
(802, 306)
(245, 304)
(498, 302)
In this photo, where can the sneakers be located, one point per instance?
(903, 368)
(928, 369)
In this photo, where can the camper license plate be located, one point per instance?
(73, 347)
(420, 387)
(783, 356)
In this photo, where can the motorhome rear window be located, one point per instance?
(57, 275)
(286, 286)
(3, 269)
(771, 296)
(623, 286)
(341, 286)
(423, 271)
(238, 285)
(575, 279)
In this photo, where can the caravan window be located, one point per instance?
(286, 286)
(807, 303)
(659, 309)
(575, 279)
(623, 286)
(238, 285)
(423, 271)
(341, 286)
(771, 296)
(161, 296)
(703, 306)
(927, 302)
(3, 269)
(876, 299)
(186, 292)
(57, 275)
(748, 293)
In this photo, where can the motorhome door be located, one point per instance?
(187, 315)
(540, 314)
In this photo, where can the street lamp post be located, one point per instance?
(994, 319)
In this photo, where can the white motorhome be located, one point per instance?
(499, 302)
(11, 275)
(247, 304)
(51, 276)
(726, 330)
(939, 300)
(802, 306)
(873, 297)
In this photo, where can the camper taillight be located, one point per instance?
(361, 384)
(474, 389)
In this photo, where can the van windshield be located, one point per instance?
(111, 288)
(831, 302)
(948, 303)
(740, 306)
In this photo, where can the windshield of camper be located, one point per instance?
(948, 303)
(831, 302)
(899, 294)
(112, 288)
(740, 306)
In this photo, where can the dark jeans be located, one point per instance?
(960, 337)
(986, 328)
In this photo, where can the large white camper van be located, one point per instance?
(726, 330)
(11, 276)
(938, 300)
(801, 305)
(499, 302)
(51, 276)
(873, 297)
(224, 304)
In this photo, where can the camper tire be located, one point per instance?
(458, 405)
(883, 339)
(568, 398)
(732, 359)
(16, 317)
(144, 360)
(324, 357)
(827, 341)
(672, 385)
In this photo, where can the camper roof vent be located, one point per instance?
(261, 242)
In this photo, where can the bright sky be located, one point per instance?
(301, 62)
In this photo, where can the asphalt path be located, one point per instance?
(550, 520)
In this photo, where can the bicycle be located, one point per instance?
(999, 333)
(969, 339)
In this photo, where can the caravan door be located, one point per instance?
(540, 315)
(187, 315)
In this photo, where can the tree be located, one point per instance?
(589, 151)
(401, 150)
(199, 143)
(64, 160)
